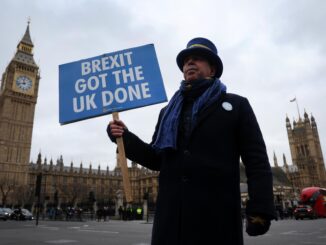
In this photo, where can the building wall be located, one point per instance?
(308, 164)
(72, 185)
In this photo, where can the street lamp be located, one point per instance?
(145, 208)
(38, 194)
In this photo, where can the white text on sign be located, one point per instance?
(129, 82)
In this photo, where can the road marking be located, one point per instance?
(314, 243)
(61, 241)
(73, 227)
(300, 233)
(50, 228)
(113, 232)
(289, 233)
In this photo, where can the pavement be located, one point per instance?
(73, 232)
(116, 232)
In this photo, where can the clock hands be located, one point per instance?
(24, 83)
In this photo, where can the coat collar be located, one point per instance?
(209, 110)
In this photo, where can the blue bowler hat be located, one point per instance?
(202, 47)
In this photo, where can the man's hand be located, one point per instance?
(115, 129)
(256, 225)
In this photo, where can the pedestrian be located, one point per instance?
(120, 210)
(197, 144)
(99, 213)
(280, 210)
(290, 212)
(79, 214)
(105, 213)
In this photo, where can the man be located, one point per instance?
(197, 144)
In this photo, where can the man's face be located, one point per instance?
(197, 67)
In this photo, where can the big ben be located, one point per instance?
(18, 97)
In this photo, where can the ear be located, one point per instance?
(213, 71)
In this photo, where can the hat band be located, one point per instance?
(199, 45)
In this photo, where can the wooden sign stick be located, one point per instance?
(123, 164)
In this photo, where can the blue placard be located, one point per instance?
(111, 82)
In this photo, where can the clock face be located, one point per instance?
(24, 83)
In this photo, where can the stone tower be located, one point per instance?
(18, 97)
(306, 153)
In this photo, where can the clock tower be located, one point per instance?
(18, 97)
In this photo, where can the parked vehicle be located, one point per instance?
(8, 210)
(21, 214)
(304, 211)
(3, 214)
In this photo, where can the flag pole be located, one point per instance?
(296, 101)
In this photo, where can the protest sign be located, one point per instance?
(111, 82)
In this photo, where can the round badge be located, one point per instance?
(227, 106)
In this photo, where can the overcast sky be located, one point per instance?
(272, 51)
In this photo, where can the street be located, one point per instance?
(292, 232)
(283, 232)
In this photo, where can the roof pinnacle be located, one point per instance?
(27, 37)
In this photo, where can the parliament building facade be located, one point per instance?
(308, 167)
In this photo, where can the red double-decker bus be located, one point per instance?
(316, 198)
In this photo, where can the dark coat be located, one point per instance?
(199, 194)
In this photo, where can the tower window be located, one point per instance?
(307, 150)
(302, 150)
(298, 151)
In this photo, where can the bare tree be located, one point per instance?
(23, 194)
(6, 187)
(73, 192)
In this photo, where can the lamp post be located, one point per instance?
(145, 208)
(38, 194)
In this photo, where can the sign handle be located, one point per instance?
(123, 164)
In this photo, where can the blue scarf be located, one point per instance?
(168, 128)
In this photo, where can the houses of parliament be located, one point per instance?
(60, 184)
(67, 183)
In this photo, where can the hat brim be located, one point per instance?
(206, 53)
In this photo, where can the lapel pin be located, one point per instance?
(227, 106)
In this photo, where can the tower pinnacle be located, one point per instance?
(275, 160)
(27, 37)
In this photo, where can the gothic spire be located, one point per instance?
(275, 160)
(39, 158)
(24, 53)
(81, 167)
(284, 161)
(27, 37)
